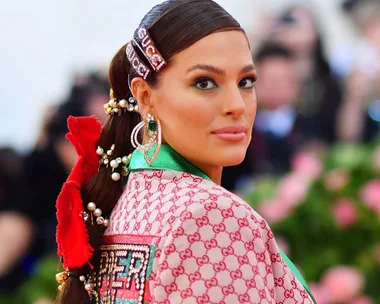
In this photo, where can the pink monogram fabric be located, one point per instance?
(213, 247)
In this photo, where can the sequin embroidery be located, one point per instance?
(125, 269)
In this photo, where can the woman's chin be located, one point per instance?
(233, 158)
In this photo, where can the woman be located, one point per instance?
(173, 234)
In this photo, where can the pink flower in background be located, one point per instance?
(345, 213)
(292, 189)
(336, 180)
(362, 300)
(370, 195)
(320, 293)
(273, 211)
(307, 165)
(343, 283)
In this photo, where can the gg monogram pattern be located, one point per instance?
(212, 248)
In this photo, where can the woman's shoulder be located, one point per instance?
(218, 204)
(202, 196)
(181, 198)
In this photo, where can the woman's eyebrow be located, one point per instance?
(248, 68)
(206, 67)
(213, 69)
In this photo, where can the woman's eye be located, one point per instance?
(205, 84)
(247, 83)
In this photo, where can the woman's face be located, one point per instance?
(206, 101)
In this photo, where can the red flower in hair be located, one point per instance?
(72, 237)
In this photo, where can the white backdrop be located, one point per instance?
(43, 42)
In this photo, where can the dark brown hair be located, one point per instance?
(174, 25)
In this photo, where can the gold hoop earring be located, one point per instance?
(153, 129)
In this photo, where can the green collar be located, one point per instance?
(169, 159)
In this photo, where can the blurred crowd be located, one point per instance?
(30, 184)
(305, 102)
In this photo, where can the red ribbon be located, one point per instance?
(72, 236)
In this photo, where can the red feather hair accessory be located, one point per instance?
(72, 237)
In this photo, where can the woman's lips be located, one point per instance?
(232, 133)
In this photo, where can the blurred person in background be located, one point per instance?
(321, 94)
(46, 167)
(44, 170)
(316, 96)
(88, 93)
(16, 229)
(279, 131)
(359, 115)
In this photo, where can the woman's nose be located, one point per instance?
(234, 104)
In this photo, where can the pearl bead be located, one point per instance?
(125, 160)
(91, 206)
(82, 278)
(109, 152)
(112, 102)
(118, 160)
(100, 220)
(136, 108)
(99, 151)
(130, 108)
(115, 176)
(89, 286)
(124, 171)
(97, 212)
(116, 110)
(106, 223)
(106, 161)
(123, 103)
(114, 164)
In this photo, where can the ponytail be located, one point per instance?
(100, 188)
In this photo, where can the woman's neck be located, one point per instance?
(213, 172)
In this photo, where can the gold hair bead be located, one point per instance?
(61, 277)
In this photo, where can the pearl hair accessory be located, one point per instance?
(104, 156)
(119, 165)
(117, 107)
(97, 212)
(123, 162)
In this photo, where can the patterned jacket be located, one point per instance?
(175, 237)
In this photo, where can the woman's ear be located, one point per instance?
(142, 92)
